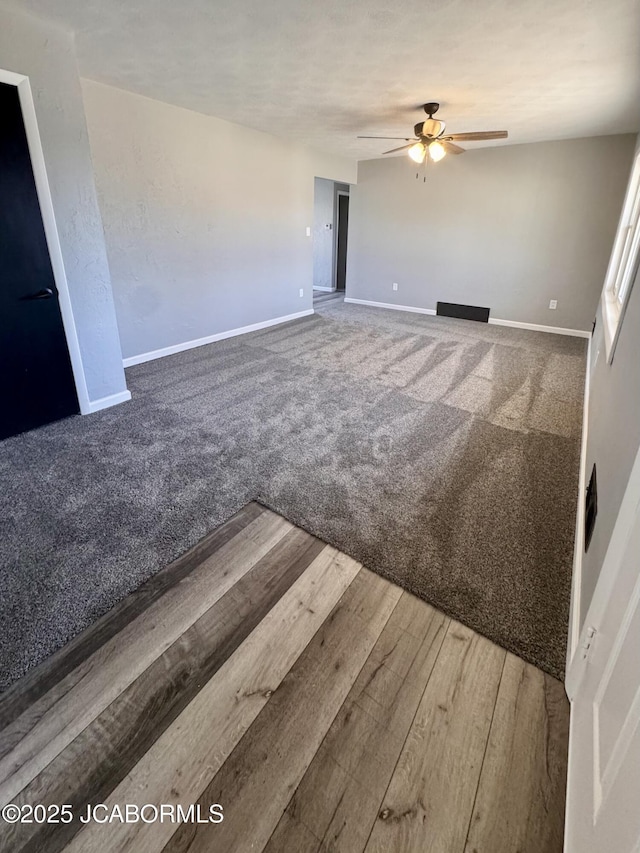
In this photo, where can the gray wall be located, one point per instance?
(46, 55)
(204, 220)
(613, 435)
(507, 228)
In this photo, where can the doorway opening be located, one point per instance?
(330, 240)
(341, 240)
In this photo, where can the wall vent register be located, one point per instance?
(462, 312)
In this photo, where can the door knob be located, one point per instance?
(45, 293)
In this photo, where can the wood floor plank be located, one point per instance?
(36, 738)
(102, 755)
(268, 763)
(42, 678)
(347, 831)
(340, 795)
(183, 760)
(521, 793)
(428, 805)
(291, 834)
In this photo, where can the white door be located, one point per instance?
(603, 786)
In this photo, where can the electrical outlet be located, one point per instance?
(301, 291)
(308, 231)
(395, 285)
(553, 304)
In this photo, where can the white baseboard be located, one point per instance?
(390, 305)
(326, 289)
(578, 545)
(534, 327)
(106, 402)
(516, 324)
(210, 339)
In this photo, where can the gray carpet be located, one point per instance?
(441, 453)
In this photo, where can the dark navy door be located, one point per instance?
(36, 380)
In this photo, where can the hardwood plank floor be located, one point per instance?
(270, 760)
(323, 708)
(446, 742)
(339, 797)
(191, 752)
(524, 771)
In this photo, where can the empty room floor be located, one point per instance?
(442, 454)
(321, 706)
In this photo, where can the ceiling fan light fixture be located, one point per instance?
(417, 152)
(436, 151)
(429, 141)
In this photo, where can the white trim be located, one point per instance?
(210, 339)
(614, 299)
(573, 638)
(51, 231)
(610, 310)
(11, 78)
(390, 305)
(534, 327)
(327, 289)
(613, 311)
(106, 402)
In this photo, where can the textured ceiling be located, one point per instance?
(327, 71)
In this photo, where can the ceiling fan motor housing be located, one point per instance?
(430, 128)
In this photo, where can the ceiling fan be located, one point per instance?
(430, 138)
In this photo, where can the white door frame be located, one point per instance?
(51, 231)
(607, 577)
(608, 588)
(573, 638)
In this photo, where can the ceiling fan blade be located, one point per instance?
(406, 138)
(477, 136)
(402, 148)
(450, 148)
